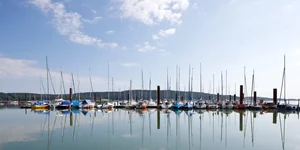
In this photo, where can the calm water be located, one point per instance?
(149, 129)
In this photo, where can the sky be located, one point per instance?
(83, 37)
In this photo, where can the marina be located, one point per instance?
(148, 129)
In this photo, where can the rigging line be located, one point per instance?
(52, 82)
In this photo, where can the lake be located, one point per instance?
(148, 130)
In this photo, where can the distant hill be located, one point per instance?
(137, 94)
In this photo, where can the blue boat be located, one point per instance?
(64, 105)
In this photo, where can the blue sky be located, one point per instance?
(150, 35)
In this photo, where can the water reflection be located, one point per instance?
(167, 129)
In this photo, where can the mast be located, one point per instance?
(112, 88)
(226, 86)
(284, 94)
(167, 92)
(63, 82)
(73, 83)
(176, 89)
(47, 78)
(179, 82)
(245, 88)
(213, 87)
(130, 92)
(108, 81)
(252, 88)
(150, 89)
(78, 87)
(200, 78)
(189, 88)
(92, 90)
(222, 86)
(192, 84)
(142, 93)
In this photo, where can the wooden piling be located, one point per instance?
(70, 95)
(254, 98)
(234, 97)
(275, 96)
(241, 121)
(158, 118)
(71, 119)
(218, 97)
(158, 96)
(230, 98)
(241, 94)
(275, 117)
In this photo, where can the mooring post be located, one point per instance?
(234, 97)
(241, 94)
(71, 114)
(158, 110)
(275, 117)
(25, 99)
(241, 121)
(218, 97)
(158, 96)
(230, 98)
(70, 95)
(71, 118)
(254, 98)
(275, 96)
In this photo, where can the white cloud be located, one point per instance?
(94, 11)
(130, 64)
(154, 11)
(123, 47)
(175, 6)
(164, 33)
(19, 69)
(93, 21)
(110, 32)
(195, 6)
(69, 23)
(146, 47)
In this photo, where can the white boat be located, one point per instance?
(87, 104)
(151, 104)
(166, 105)
(227, 105)
(141, 105)
(58, 102)
(107, 105)
(200, 105)
(212, 106)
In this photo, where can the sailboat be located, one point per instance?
(167, 104)
(108, 105)
(285, 106)
(151, 103)
(142, 104)
(200, 104)
(132, 103)
(212, 104)
(43, 104)
(254, 106)
(225, 104)
(189, 104)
